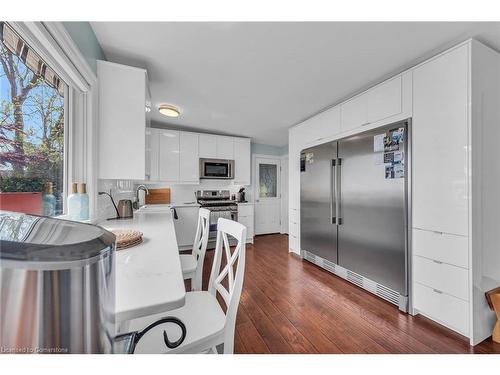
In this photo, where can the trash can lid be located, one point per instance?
(34, 238)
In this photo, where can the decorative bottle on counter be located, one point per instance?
(74, 203)
(49, 200)
(84, 202)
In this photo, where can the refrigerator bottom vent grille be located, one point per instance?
(355, 278)
(363, 282)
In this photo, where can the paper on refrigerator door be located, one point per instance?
(378, 142)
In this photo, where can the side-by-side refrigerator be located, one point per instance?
(354, 209)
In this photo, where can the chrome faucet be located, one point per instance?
(137, 205)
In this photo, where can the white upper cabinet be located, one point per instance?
(122, 121)
(216, 147)
(242, 163)
(323, 125)
(384, 100)
(381, 102)
(440, 157)
(208, 146)
(354, 112)
(152, 154)
(189, 157)
(169, 155)
(225, 147)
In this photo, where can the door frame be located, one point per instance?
(255, 185)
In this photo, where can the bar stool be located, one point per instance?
(206, 325)
(192, 264)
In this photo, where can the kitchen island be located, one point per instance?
(148, 276)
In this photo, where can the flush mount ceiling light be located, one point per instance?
(169, 110)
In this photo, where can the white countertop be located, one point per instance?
(148, 276)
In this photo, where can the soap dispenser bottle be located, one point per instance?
(74, 203)
(84, 202)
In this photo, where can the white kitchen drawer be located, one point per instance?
(245, 210)
(445, 309)
(293, 243)
(441, 276)
(294, 216)
(293, 228)
(447, 248)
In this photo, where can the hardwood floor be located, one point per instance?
(292, 306)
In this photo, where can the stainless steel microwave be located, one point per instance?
(218, 169)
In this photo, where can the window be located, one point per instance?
(32, 130)
(268, 177)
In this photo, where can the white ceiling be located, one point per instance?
(258, 79)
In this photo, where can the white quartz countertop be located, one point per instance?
(148, 276)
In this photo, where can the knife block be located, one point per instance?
(493, 298)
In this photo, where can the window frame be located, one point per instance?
(54, 45)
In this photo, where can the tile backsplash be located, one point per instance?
(179, 193)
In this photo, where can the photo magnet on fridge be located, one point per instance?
(389, 157)
(389, 172)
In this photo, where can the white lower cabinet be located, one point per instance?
(246, 217)
(442, 247)
(445, 309)
(443, 277)
(185, 225)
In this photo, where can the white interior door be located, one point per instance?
(267, 195)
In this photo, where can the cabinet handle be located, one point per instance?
(437, 232)
(437, 261)
(366, 123)
(437, 291)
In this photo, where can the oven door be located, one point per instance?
(216, 169)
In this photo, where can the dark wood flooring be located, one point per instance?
(292, 306)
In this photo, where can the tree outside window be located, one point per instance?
(31, 138)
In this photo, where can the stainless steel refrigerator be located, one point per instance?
(354, 209)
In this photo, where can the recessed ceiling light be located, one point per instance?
(169, 110)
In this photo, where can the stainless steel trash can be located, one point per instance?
(57, 286)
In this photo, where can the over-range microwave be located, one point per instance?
(219, 169)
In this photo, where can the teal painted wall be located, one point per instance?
(258, 148)
(86, 41)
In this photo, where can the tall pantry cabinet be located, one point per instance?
(456, 188)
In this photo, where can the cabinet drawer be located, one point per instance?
(294, 216)
(293, 228)
(245, 210)
(448, 248)
(441, 276)
(445, 309)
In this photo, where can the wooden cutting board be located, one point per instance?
(158, 196)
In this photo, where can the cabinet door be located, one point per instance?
(242, 161)
(323, 125)
(247, 221)
(122, 121)
(384, 100)
(152, 154)
(169, 155)
(354, 113)
(225, 148)
(208, 146)
(189, 159)
(185, 225)
(440, 144)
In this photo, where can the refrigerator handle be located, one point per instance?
(338, 165)
(333, 193)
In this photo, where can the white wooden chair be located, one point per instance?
(192, 264)
(207, 325)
